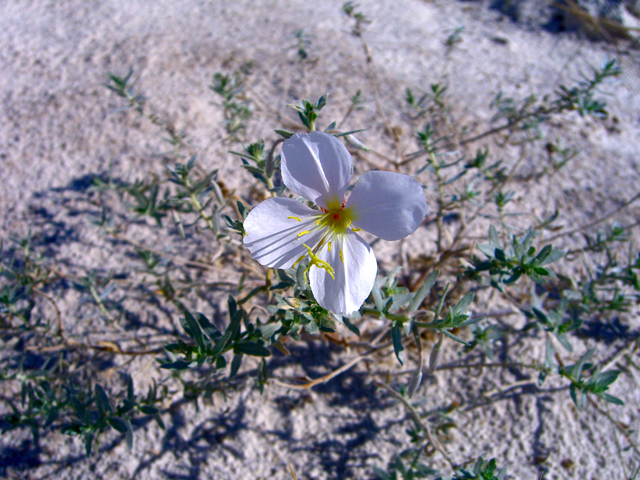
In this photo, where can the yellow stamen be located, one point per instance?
(303, 233)
(337, 218)
(329, 246)
(341, 259)
(298, 261)
(294, 218)
(355, 229)
(315, 260)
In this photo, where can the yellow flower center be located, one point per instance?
(337, 219)
(334, 220)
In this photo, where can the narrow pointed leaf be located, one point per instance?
(194, 330)
(235, 364)
(177, 365)
(103, 400)
(118, 424)
(252, 348)
(423, 291)
(554, 256)
(396, 336)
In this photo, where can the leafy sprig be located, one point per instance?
(506, 264)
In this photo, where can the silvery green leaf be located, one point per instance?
(118, 424)
(51, 417)
(312, 328)
(549, 359)
(540, 315)
(414, 381)
(103, 400)
(207, 327)
(526, 241)
(301, 282)
(129, 434)
(267, 331)
(464, 303)
(423, 291)
(488, 249)
(435, 354)
(354, 142)
(88, 442)
(604, 379)
(453, 337)
(284, 133)
(232, 330)
(322, 101)
(519, 250)
(177, 365)
(612, 399)
(235, 364)
(243, 209)
(396, 336)
(376, 293)
(350, 325)
(542, 256)
(564, 340)
(493, 235)
(252, 348)
(149, 410)
(469, 321)
(399, 300)
(194, 330)
(554, 256)
(221, 362)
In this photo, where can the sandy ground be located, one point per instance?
(59, 124)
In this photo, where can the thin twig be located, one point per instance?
(286, 122)
(329, 376)
(620, 353)
(176, 258)
(504, 388)
(293, 474)
(588, 247)
(52, 301)
(70, 344)
(418, 421)
(489, 365)
(616, 424)
(598, 220)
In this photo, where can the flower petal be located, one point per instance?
(316, 166)
(389, 205)
(273, 238)
(355, 274)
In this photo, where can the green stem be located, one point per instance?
(270, 185)
(390, 316)
(198, 206)
(439, 218)
(96, 298)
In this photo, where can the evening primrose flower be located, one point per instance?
(281, 232)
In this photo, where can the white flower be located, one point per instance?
(280, 232)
